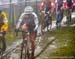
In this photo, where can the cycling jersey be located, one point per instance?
(4, 27)
(46, 6)
(69, 4)
(21, 19)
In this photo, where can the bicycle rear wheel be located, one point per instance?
(28, 49)
(25, 50)
(1, 46)
(25, 47)
(22, 46)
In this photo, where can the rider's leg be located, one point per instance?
(70, 13)
(57, 19)
(4, 43)
(43, 25)
(61, 17)
(50, 22)
(33, 38)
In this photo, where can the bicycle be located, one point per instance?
(26, 46)
(47, 22)
(2, 44)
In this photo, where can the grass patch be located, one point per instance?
(67, 51)
(11, 37)
(65, 41)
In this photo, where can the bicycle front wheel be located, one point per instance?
(1, 46)
(28, 49)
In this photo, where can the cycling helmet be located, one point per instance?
(28, 10)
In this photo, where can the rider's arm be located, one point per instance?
(36, 21)
(20, 20)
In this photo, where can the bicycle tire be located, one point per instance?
(1, 45)
(22, 45)
(25, 49)
(29, 49)
(1, 48)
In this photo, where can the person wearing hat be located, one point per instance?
(29, 19)
(3, 27)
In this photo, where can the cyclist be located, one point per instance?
(69, 9)
(3, 27)
(46, 10)
(59, 12)
(30, 18)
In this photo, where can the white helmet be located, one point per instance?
(28, 10)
